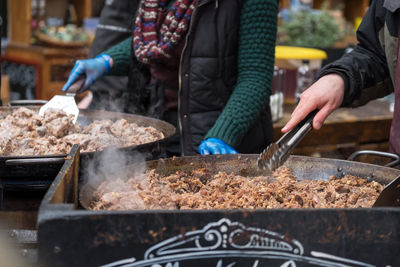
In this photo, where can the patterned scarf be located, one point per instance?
(150, 45)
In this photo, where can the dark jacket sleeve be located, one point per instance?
(365, 69)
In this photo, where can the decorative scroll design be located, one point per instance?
(225, 235)
(225, 242)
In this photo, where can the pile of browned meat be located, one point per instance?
(202, 190)
(24, 132)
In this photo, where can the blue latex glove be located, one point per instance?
(91, 68)
(215, 146)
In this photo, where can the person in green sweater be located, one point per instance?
(207, 67)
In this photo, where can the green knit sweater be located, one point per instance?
(258, 23)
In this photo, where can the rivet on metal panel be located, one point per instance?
(56, 249)
(13, 233)
(24, 252)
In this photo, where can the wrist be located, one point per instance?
(108, 62)
(336, 83)
(335, 73)
(336, 80)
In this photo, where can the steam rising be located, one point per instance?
(109, 165)
(110, 93)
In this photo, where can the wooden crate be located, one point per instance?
(52, 65)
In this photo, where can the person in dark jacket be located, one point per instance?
(370, 71)
(209, 70)
(115, 25)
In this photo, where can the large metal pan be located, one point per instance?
(303, 167)
(38, 171)
(239, 237)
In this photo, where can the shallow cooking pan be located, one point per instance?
(36, 172)
(225, 237)
(302, 167)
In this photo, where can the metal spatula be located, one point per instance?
(390, 195)
(277, 153)
(65, 102)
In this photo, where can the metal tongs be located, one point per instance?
(277, 153)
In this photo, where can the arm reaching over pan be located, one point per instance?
(326, 95)
(370, 71)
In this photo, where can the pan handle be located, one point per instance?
(34, 161)
(395, 157)
(27, 102)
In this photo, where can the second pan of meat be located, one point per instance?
(46, 167)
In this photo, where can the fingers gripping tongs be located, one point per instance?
(277, 153)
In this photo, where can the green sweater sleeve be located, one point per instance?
(257, 36)
(120, 53)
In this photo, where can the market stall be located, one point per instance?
(130, 182)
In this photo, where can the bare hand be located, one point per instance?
(326, 94)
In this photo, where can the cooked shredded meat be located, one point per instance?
(24, 132)
(202, 190)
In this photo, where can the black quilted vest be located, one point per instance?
(208, 74)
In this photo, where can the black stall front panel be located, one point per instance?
(361, 237)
